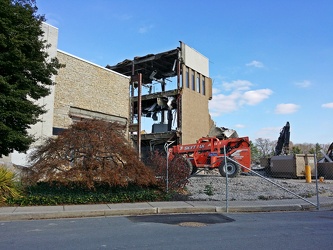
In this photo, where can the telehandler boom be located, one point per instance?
(208, 153)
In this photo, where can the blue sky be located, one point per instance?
(270, 61)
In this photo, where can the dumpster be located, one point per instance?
(325, 169)
(291, 166)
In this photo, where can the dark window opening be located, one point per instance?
(193, 80)
(198, 83)
(187, 79)
(203, 86)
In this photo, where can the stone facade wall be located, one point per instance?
(86, 86)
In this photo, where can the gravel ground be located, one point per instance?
(252, 187)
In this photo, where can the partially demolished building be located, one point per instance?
(179, 109)
(170, 91)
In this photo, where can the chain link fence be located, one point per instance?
(283, 181)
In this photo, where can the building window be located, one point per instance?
(203, 86)
(187, 79)
(193, 80)
(198, 83)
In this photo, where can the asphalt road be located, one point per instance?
(283, 230)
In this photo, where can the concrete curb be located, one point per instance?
(268, 208)
(73, 214)
(146, 208)
(139, 211)
(30, 213)
(184, 210)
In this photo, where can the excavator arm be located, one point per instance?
(282, 144)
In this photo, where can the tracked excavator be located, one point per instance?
(286, 165)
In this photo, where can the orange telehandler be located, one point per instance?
(208, 153)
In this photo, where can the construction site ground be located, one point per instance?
(251, 187)
(246, 193)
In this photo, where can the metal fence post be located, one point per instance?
(226, 180)
(316, 174)
(166, 148)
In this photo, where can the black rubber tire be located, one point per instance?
(193, 169)
(233, 169)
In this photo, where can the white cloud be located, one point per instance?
(271, 133)
(145, 29)
(286, 108)
(255, 64)
(224, 104)
(303, 84)
(240, 126)
(214, 114)
(239, 94)
(328, 105)
(254, 97)
(216, 91)
(238, 85)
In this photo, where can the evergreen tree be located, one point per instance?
(25, 73)
(296, 150)
(255, 153)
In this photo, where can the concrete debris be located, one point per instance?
(222, 132)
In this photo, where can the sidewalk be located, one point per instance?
(94, 210)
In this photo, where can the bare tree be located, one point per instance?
(265, 147)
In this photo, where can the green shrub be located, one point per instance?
(56, 194)
(8, 187)
(209, 190)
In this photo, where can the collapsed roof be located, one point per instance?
(152, 66)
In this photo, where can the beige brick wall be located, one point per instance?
(87, 86)
(196, 121)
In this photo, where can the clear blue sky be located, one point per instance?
(270, 61)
